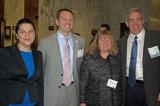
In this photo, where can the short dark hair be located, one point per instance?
(94, 32)
(61, 10)
(23, 21)
(106, 26)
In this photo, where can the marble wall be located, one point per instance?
(154, 21)
(88, 14)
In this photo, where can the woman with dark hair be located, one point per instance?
(21, 76)
(100, 76)
(93, 33)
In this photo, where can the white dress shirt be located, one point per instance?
(61, 45)
(139, 64)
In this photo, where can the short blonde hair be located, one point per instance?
(94, 45)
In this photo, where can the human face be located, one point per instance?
(104, 43)
(65, 22)
(25, 35)
(135, 22)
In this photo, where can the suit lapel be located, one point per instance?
(36, 63)
(124, 53)
(18, 58)
(125, 49)
(75, 52)
(56, 51)
(147, 42)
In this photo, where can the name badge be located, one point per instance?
(154, 51)
(80, 53)
(112, 83)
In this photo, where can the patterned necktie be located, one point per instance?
(67, 76)
(133, 60)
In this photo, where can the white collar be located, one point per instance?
(139, 35)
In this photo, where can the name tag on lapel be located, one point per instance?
(80, 53)
(154, 51)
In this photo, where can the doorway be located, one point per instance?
(2, 23)
(31, 12)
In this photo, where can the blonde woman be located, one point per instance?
(100, 73)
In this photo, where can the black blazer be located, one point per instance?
(151, 66)
(94, 75)
(13, 74)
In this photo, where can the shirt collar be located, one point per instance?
(61, 36)
(140, 35)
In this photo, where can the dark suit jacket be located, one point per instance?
(13, 74)
(151, 66)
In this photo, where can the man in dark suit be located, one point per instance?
(57, 67)
(141, 86)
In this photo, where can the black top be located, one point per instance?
(94, 74)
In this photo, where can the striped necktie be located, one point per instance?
(67, 76)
